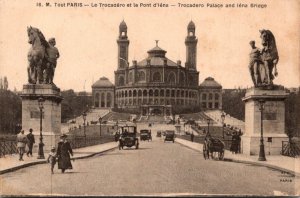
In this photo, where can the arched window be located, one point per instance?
(121, 80)
(168, 93)
(130, 93)
(97, 100)
(156, 77)
(171, 78)
(125, 93)
(141, 76)
(204, 96)
(162, 93)
(210, 96)
(145, 93)
(178, 93)
(108, 100)
(216, 96)
(156, 92)
(182, 93)
(102, 100)
(134, 93)
(150, 92)
(173, 93)
(140, 93)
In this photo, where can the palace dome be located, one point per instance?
(210, 83)
(102, 82)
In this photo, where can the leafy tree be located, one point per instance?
(10, 112)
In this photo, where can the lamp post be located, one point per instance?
(84, 118)
(262, 156)
(208, 122)
(41, 144)
(223, 118)
(100, 121)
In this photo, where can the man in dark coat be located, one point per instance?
(63, 153)
(30, 143)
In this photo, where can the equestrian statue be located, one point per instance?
(264, 61)
(42, 57)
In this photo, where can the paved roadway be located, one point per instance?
(157, 168)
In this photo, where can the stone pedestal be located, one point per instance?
(273, 120)
(51, 119)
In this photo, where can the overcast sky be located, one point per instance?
(86, 38)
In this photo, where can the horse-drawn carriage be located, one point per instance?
(213, 146)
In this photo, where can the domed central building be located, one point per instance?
(156, 84)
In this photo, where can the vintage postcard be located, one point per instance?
(149, 98)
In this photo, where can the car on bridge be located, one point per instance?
(128, 137)
(145, 134)
(169, 135)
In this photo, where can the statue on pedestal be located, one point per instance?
(42, 58)
(262, 62)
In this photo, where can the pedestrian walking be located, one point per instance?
(31, 141)
(234, 143)
(52, 159)
(192, 136)
(63, 154)
(21, 143)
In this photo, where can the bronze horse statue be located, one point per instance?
(37, 56)
(269, 59)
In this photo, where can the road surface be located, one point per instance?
(157, 168)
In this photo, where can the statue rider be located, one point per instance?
(52, 57)
(255, 59)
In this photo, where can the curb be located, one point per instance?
(249, 162)
(45, 161)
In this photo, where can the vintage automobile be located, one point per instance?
(169, 135)
(128, 137)
(158, 134)
(145, 134)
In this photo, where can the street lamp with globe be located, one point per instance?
(41, 144)
(100, 122)
(262, 156)
(223, 118)
(84, 119)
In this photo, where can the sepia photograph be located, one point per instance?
(149, 98)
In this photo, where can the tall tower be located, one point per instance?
(123, 44)
(191, 47)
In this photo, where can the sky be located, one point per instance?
(86, 38)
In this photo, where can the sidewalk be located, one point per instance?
(278, 162)
(11, 163)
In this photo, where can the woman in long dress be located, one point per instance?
(63, 153)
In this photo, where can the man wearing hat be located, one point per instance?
(21, 143)
(63, 153)
(31, 141)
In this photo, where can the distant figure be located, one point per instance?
(31, 141)
(63, 154)
(21, 143)
(234, 143)
(192, 136)
(52, 158)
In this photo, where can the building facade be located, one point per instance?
(156, 84)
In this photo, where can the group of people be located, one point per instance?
(22, 141)
(61, 155)
(236, 143)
